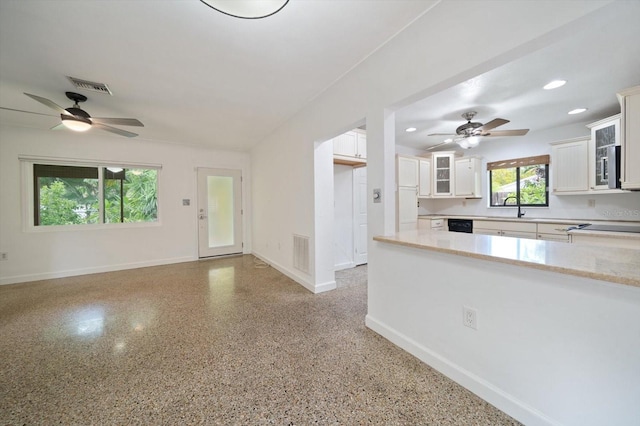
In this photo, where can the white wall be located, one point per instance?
(343, 224)
(48, 254)
(423, 59)
(550, 349)
(625, 206)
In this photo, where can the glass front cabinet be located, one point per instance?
(604, 133)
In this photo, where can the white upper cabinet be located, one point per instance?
(570, 166)
(468, 179)
(407, 171)
(424, 187)
(604, 133)
(351, 144)
(361, 144)
(443, 174)
(630, 139)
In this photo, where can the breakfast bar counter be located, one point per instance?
(523, 323)
(613, 264)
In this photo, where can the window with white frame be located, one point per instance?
(67, 194)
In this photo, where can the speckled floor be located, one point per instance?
(211, 342)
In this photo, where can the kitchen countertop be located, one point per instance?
(613, 264)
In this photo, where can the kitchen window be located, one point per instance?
(520, 181)
(69, 194)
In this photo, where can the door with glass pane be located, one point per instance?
(219, 212)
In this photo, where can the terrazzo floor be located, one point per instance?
(212, 342)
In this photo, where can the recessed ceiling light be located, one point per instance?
(410, 129)
(577, 111)
(555, 84)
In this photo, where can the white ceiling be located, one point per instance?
(190, 74)
(597, 63)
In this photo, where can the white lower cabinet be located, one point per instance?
(553, 232)
(505, 229)
(606, 241)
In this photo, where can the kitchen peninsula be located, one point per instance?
(553, 321)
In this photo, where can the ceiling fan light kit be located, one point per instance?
(468, 135)
(247, 9)
(75, 123)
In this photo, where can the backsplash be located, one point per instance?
(613, 207)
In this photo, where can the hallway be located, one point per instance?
(212, 342)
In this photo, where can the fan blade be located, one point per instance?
(58, 127)
(28, 112)
(117, 121)
(492, 124)
(115, 130)
(517, 132)
(54, 106)
(439, 145)
(442, 134)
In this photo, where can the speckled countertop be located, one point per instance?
(613, 264)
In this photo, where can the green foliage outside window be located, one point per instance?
(532, 183)
(132, 197)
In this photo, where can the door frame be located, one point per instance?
(237, 175)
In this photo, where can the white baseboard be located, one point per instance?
(345, 265)
(318, 288)
(94, 270)
(485, 390)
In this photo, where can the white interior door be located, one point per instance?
(219, 212)
(360, 215)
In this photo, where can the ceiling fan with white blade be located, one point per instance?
(77, 119)
(468, 135)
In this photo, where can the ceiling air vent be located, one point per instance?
(90, 85)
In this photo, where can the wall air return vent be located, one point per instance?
(301, 253)
(90, 85)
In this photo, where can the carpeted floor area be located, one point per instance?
(212, 342)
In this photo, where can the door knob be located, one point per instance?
(202, 217)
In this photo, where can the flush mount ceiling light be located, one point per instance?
(247, 9)
(410, 129)
(555, 84)
(577, 111)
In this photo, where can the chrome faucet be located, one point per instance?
(520, 212)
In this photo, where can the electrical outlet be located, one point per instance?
(4, 256)
(591, 203)
(470, 317)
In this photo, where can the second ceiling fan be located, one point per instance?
(468, 134)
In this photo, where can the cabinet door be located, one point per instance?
(603, 135)
(570, 166)
(345, 144)
(407, 208)
(361, 145)
(408, 171)
(424, 188)
(443, 175)
(630, 103)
